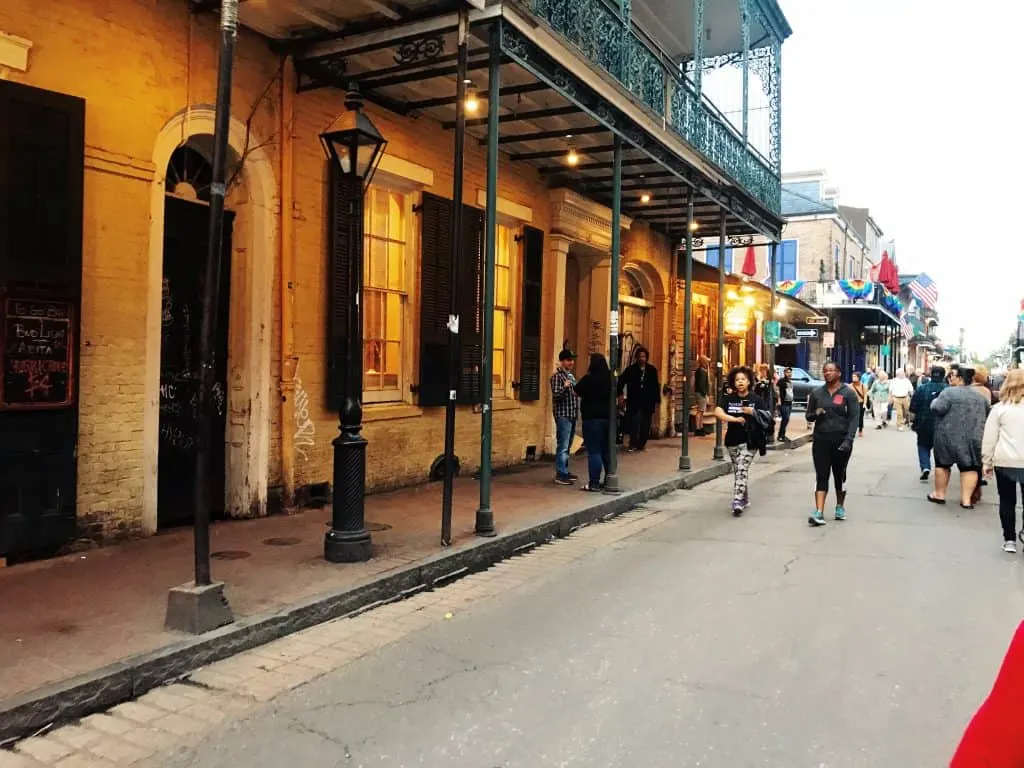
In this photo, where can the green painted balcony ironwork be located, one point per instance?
(606, 37)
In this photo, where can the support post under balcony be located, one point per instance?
(745, 29)
(698, 46)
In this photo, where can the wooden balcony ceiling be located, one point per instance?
(289, 19)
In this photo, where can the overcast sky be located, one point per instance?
(913, 109)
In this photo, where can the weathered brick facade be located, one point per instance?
(141, 66)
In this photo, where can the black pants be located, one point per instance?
(785, 411)
(860, 423)
(828, 459)
(1007, 488)
(639, 427)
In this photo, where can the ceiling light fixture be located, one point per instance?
(572, 158)
(645, 198)
(694, 226)
(472, 102)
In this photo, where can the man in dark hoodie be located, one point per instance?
(639, 388)
(834, 409)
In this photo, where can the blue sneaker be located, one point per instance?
(840, 513)
(816, 519)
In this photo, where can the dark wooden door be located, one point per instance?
(42, 146)
(185, 238)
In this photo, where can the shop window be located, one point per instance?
(385, 253)
(785, 261)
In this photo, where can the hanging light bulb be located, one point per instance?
(645, 198)
(748, 300)
(572, 158)
(472, 102)
(694, 226)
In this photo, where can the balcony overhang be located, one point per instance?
(552, 100)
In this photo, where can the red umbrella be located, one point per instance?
(886, 271)
(749, 263)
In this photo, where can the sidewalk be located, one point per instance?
(77, 615)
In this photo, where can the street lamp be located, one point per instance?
(354, 147)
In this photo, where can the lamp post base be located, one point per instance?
(485, 523)
(348, 546)
(197, 609)
(611, 484)
(348, 541)
(685, 464)
(719, 454)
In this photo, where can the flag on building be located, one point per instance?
(908, 332)
(924, 288)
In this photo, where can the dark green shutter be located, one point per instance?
(344, 204)
(532, 293)
(435, 289)
(435, 292)
(471, 306)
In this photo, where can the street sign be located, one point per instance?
(772, 331)
(828, 339)
(817, 320)
(807, 333)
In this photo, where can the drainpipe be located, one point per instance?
(289, 360)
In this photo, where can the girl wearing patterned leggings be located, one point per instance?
(735, 407)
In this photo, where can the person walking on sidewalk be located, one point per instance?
(980, 384)
(640, 391)
(566, 406)
(748, 421)
(835, 412)
(915, 380)
(862, 398)
(880, 399)
(785, 388)
(1002, 453)
(595, 391)
(900, 391)
(924, 417)
(958, 433)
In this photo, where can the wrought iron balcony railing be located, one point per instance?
(615, 44)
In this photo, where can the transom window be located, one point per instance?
(384, 293)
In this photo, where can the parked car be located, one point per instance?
(803, 384)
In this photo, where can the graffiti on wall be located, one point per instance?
(305, 429)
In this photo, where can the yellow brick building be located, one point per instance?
(142, 73)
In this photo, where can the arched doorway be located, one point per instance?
(186, 221)
(250, 390)
(636, 308)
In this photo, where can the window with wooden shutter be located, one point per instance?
(435, 290)
(533, 273)
(345, 194)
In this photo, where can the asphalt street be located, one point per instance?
(702, 641)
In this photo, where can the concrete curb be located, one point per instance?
(24, 714)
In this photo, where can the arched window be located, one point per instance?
(189, 175)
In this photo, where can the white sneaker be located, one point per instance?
(1010, 546)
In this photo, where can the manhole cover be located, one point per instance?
(281, 541)
(230, 554)
(377, 526)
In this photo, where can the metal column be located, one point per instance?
(454, 346)
(745, 32)
(684, 451)
(719, 452)
(611, 482)
(484, 514)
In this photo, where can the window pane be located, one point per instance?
(396, 267)
(393, 317)
(379, 224)
(396, 216)
(392, 358)
(373, 359)
(500, 329)
(371, 382)
(373, 322)
(376, 264)
(501, 287)
(504, 246)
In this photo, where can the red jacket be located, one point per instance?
(994, 737)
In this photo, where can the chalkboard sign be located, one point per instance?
(37, 360)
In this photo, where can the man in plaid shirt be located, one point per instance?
(567, 409)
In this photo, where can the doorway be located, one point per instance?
(185, 242)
